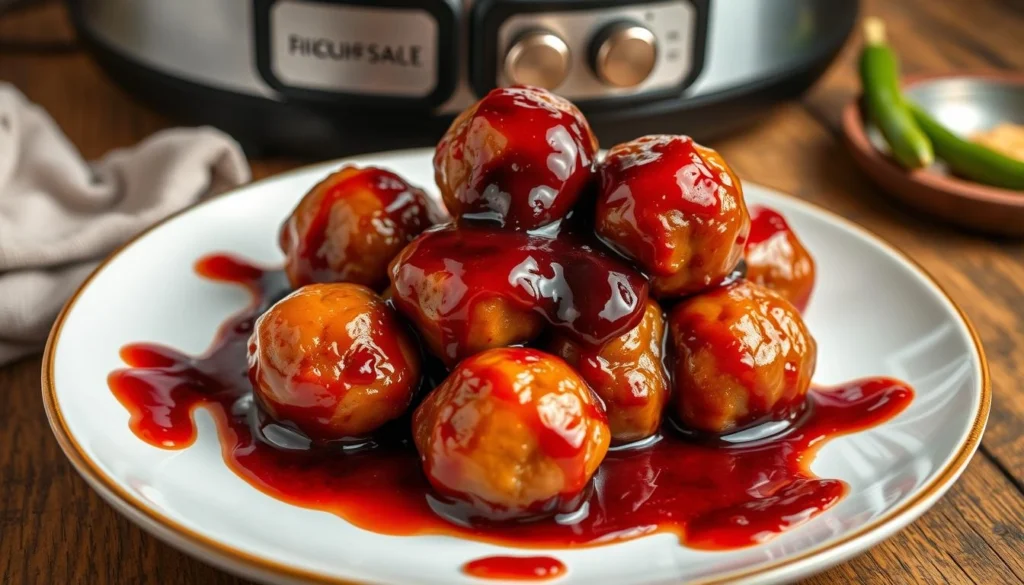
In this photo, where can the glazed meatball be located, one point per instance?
(627, 373)
(348, 227)
(473, 287)
(513, 433)
(455, 315)
(520, 156)
(333, 361)
(741, 355)
(487, 323)
(676, 209)
(777, 259)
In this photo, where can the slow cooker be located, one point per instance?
(328, 78)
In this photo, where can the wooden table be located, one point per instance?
(54, 529)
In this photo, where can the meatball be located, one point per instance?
(333, 361)
(513, 433)
(675, 208)
(627, 373)
(470, 287)
(520, 156)
(455, 315)
(741, 355)
(350, 225)
(491, 321)
(777, 259)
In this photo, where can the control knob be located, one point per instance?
(539, 58)
(623, 54)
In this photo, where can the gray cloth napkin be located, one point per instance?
(60, 214)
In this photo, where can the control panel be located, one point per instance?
(415, 53)
(590, 50)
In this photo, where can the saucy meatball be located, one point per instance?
(520, 156)
(474, 287)
(350, 225)
(487, 323)
(675, 208)
(455, 316)
(333, 361)
(742, 355)
(627, 373)
(777, 259)
(513, 433)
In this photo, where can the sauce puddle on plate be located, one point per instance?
(713, 496)
(515, 568)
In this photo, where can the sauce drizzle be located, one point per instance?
(515, 568)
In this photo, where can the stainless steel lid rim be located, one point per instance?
(196, 60)
(745, 39)
(264, 126)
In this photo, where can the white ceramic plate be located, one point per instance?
(873, 312)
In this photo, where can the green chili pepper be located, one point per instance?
(970, 159)
(879, 72)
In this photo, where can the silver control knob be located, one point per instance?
(537, 58)
(623, 54)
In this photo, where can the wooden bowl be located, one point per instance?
(965, 103)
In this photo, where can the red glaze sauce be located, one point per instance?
(765, 223)
(515, 568)
(712, 495)
(580, 290)
(521, 156)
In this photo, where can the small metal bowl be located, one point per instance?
(964, 103)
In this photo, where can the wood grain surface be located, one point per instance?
(54, 529)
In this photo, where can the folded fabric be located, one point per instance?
(60, 214)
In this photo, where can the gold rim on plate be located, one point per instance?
(252, 565)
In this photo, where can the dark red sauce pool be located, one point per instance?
(515, 568)
(714, 496)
